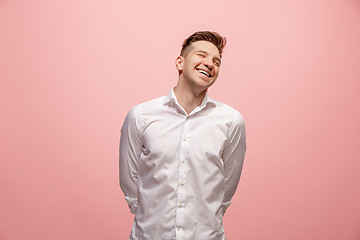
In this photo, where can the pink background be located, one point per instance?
(70, 71)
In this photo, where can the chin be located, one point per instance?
(206, 85)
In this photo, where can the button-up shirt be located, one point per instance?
(179, 171)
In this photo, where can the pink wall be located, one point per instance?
(70, 71)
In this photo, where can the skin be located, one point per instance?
(192, 84)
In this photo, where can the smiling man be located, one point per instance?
(181, 155)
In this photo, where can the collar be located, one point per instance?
(171, 97)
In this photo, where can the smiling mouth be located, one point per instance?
(204, 72)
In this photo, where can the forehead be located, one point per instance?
(205, 46)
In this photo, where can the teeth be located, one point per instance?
(203, 72)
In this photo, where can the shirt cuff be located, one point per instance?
(225, 205)
(132, 203)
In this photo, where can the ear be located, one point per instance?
(179, 63)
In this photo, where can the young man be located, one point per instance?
(181, 155)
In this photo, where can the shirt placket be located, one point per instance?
(182, 182)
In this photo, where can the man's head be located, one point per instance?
(200, 59)
(208, 36)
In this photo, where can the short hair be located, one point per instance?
(213, 37)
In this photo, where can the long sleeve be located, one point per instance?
(130, 149)
(233, 157)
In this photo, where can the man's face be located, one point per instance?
(200, 64)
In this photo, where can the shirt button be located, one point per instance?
(185, 139)
(180, 205)
(183, 161)
(178, 228)
(182, 183)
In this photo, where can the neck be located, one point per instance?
(188, 98)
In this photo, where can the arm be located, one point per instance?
(130, 149)
(233, 157)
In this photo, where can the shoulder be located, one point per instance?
(229, 112)
(142, 108)
(151, 103)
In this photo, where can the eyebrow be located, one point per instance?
(216, 58)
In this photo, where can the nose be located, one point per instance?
(208, 63)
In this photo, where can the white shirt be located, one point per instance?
(179, 171)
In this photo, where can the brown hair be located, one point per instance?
(212, 37)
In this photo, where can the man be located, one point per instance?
(181, 155)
